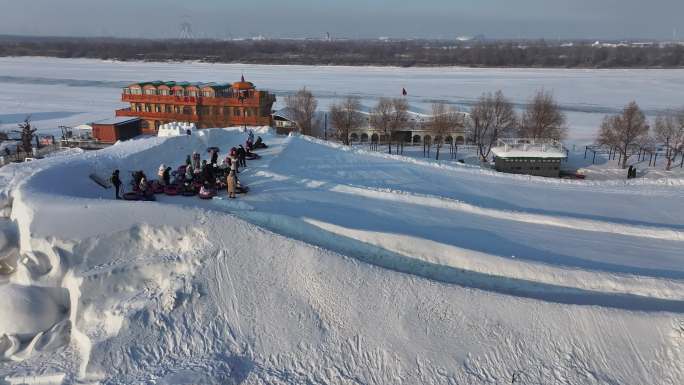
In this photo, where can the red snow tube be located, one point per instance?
(208, 194)
(171, 190)
(148, 197)
(157, 188)
(131, 196)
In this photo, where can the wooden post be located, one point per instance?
(593, 161)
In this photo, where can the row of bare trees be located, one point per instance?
(493, 117)
(630, 129)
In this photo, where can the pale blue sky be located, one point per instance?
(654, 19)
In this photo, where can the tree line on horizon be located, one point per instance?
(405, 53)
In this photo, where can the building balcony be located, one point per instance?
(190, 100)
(158, 115)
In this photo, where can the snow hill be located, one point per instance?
(340, 266)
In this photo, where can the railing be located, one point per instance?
(158, 115)
(191, 100)
(528, 144)
(21, 156)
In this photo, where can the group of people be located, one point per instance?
(196, 175)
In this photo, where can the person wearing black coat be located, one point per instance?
(214, 157)
(166, 176)
(241, 154)
(116, 182)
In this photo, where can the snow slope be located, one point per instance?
(340, 266)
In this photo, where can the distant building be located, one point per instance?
(529, 156)
(205, 104)
(284, 123)
(113, 130)
(415, 131)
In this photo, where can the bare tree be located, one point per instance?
(345, 116)
(624, 130)
(303, 107)
(389, 116)
(381, 119)
(444, 120)
(543, 118)
(669, 129)
(27, 132)
(491, 117)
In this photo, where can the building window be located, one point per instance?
(163, 92)
(192, 93)
(236, 111)
(150, 91)
(208, 94)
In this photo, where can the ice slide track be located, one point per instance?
(365, 252)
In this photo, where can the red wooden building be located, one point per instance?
(205, 104)
(113, 130)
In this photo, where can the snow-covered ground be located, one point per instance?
(75, 91)
(340, 266)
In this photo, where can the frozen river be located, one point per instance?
(75, 91)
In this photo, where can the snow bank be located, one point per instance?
(28, 310)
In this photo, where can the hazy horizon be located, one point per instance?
(497, 19)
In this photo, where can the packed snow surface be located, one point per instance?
(75, 91)
(340, 266)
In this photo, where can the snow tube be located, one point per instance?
(206, 194)
(148, 197)
(171, 190)
(252, 156)
(157, 188)
(188, 193)
(242, 189)
(131, 196)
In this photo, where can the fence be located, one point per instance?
(21, 156)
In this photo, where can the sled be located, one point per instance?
(102, 182)
(242, 189)
(171, 190)
(252, 156)
(207, 194)
(131, 196)
(157, 188)
(188, 193)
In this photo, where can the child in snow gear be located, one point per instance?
(231, 184)
(116, 182)
(250, 136)
(188, 161)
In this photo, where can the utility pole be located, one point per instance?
(325, 126)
